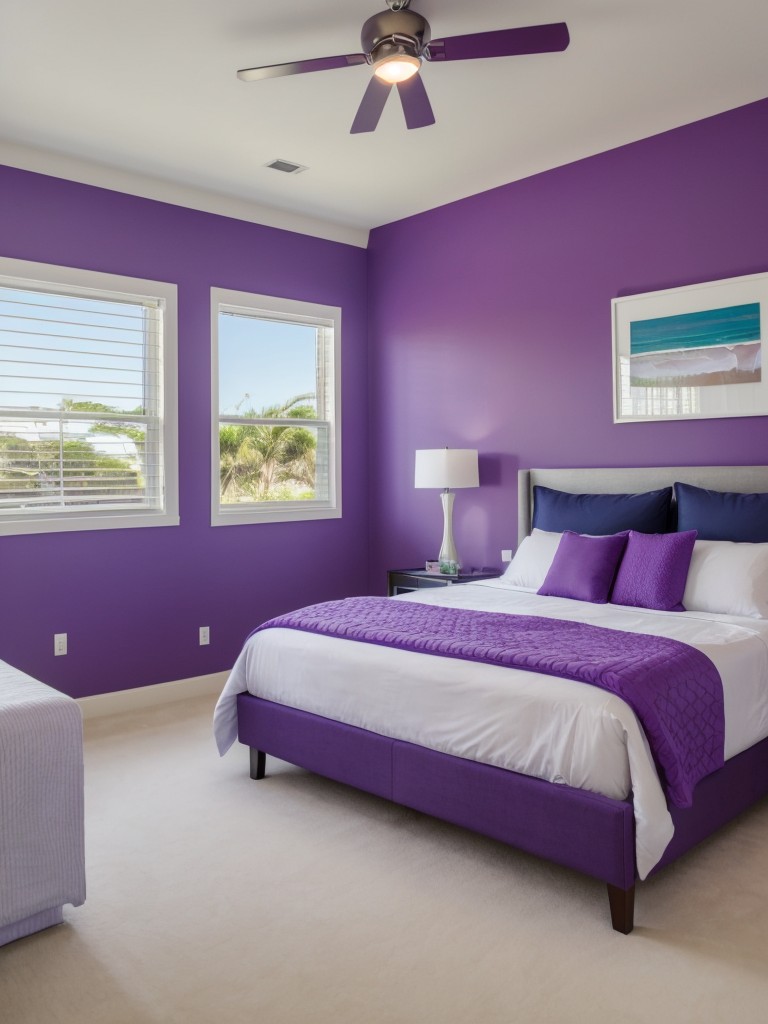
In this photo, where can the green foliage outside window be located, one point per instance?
(264, 462)
(41, 467)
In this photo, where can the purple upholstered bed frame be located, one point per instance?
(585, 831)
(591, 833)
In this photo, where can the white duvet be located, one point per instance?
(555, 729)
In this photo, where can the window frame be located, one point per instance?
(291, 311)
(74, 281)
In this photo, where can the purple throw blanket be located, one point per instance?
(674, 689)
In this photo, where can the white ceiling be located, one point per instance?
(142, 95)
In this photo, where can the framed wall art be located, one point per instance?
(691, 353)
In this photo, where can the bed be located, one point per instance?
(590, 797)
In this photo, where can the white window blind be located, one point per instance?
(82, 404)
(276, 453)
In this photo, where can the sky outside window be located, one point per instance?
(264, 363)
(57, 347)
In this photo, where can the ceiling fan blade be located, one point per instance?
(416, 105)
(371, 106)
(300, 67)
(507, 42)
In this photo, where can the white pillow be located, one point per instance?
(728, 577)
(532, 560)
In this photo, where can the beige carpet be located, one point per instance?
(212, 898)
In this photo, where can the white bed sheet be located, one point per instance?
(555, 729)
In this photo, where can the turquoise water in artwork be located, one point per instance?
(730, 325)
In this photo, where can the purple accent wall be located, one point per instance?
(132, 600)
(491, 324)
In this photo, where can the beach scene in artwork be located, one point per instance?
(710, 347)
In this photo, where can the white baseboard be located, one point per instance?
(142, 697)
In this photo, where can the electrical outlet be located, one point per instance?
(205, 635)
(506, 554)
(59, 643)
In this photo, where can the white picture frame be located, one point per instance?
(691, 353)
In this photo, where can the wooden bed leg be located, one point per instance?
(258, 763)
(622, 903)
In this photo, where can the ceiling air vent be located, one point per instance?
(286, 166)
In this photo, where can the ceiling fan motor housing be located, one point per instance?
(393, 34)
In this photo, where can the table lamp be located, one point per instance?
(447, 468)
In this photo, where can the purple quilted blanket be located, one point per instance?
(674, 689)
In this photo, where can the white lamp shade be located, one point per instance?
(447, 467)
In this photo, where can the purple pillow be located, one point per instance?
(584, 567)
(654, 570)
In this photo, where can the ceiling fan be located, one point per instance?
(396, 41)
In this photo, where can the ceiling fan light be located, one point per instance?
(398, 68)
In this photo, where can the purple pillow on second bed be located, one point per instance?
(584, 567)
(654, 570)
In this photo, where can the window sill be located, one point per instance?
(250, 516)
(85, 523)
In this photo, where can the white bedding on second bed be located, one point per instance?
(555, 729)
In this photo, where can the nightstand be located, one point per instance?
(404, 581)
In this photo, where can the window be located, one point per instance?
(87, 400)
(276, 451)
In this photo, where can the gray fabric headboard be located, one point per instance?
(745, 479)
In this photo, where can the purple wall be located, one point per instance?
(132, 600)
(491, 324)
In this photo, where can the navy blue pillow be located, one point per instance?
(722, 515)
(599, 514)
